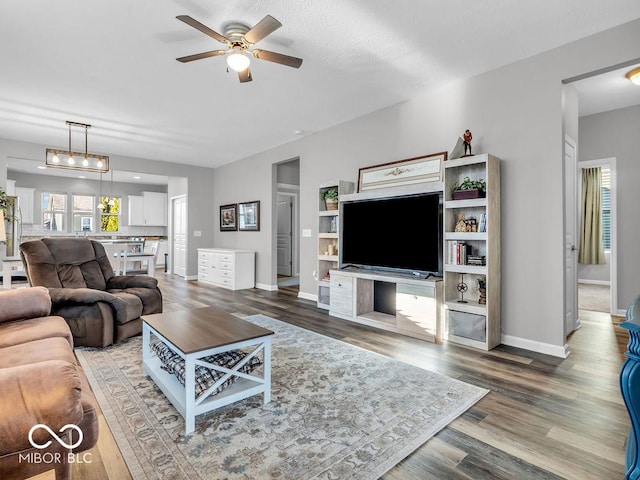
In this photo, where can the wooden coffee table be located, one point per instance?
(198, 333)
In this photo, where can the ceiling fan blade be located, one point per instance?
(203, 28)
(245, 75)
(263, 28)
(277, 58)
(198, 56)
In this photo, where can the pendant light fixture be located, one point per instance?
(100, 204)
(59, 158)
(111, 201)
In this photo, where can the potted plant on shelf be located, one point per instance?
(330, 197)
(469, 189)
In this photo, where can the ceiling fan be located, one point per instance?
(239, 38)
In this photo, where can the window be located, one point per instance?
(606, 208)
(83, 208)
(110, 216)
(54, 208)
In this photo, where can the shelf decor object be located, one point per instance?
(462, 289)
(469, 189)
(411, 171)
(81, 161)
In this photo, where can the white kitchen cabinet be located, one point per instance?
(148, 209)
(155, 208)
(136, 210)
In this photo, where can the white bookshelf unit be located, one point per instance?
(328, 239)
(474, 323)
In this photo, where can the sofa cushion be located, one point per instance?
(66, 263)
(23, 331)
(48, 392)
(129, 306)
(205, 377)
(24, 303)
(151, 298)
(55, 348)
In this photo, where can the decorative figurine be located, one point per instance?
(466, 136)
(461, 225)
(462, 288)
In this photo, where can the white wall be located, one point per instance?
(515, 113)
(600, 274)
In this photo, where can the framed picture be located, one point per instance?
(411, 171)
(228, 218)
(249, 216)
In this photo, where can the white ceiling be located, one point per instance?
(607, 91)
(111, 63)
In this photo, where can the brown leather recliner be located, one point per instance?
(41, 383)
(99, 307)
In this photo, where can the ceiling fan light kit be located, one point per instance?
(239, 38)
(634, 76)
(91, 162)
(238, 61)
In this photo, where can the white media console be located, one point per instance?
(403, 304)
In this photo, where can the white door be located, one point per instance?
(179, 224)
(571, 228)
(285, 235)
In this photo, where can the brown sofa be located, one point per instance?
(99, 307)
(40, 383)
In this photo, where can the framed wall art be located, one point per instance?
(249, 216)
(228, 217)
(411, 171)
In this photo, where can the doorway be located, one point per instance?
(179, 235)
(597, 284)
(287, 220)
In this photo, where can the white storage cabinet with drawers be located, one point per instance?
(228, 268)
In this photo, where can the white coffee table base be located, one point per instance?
(245, 386)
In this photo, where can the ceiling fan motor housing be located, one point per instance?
(235, 32)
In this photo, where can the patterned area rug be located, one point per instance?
(337, 412)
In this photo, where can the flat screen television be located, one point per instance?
(401, 234)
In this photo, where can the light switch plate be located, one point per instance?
(306, 232)
(197, 233)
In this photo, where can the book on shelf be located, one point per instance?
(458, 252)
(480, 260)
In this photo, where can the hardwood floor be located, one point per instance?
(545, 418)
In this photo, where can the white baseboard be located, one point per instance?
(546, 348)
(308, 296)
(594, 282)
(621, 313)
(265, 286)
(191, 277)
